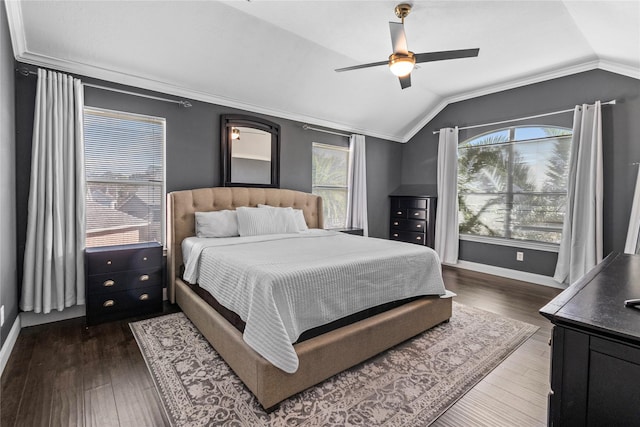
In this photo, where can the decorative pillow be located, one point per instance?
(217, 224)
(255, 222)
(298, 216)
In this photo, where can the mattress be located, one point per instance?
(282, 285)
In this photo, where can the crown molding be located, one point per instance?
(22, 54)
(525, 81)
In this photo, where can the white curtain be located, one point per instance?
(357, 197)
(581, 243)
(631, 246)
(53, 259)
(447, 233)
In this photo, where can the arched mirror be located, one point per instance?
(250, 152)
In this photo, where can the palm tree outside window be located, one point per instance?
(512, 184)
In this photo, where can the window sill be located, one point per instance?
(524, 244)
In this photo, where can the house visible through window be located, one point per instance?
(330, 181)
(124, 163)
(512, 183)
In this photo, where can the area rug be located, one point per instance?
(408, 385)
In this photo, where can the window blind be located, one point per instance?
(125, 169)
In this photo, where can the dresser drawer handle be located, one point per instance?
(418, 238)
(416, 214)
(144, 258)
(108, 283)
(109, 262)
(419, 226)
(144, 277)
(109, 303)
(399, 213)
(395, 223)
(144, 297)
(395, 234)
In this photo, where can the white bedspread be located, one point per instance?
(282, 285)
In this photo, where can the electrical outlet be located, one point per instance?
(1, 316)
(519, 256)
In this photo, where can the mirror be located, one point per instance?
(250, 152)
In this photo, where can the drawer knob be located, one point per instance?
(108, 303)
(418, 238)
(144, 297)
(144, 258)
(419, 226)
(416, 214)
(109, 262)
(395, 223)
(395, 234)
(144, 277)
(399, 213)
(108, 283)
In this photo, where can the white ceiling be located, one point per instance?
(278, 57)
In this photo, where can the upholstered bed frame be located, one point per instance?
(320, 357)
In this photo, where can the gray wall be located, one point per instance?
(193, 149)
(8, 280)
(621, 147)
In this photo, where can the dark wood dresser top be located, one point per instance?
(596, 302)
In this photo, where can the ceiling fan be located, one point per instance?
(402, 61)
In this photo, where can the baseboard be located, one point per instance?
(7, 346)
(524, 276)
(29, 318)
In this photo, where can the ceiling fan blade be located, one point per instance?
(405, 81)
(398, 38)
(446, 54)
(357, 67)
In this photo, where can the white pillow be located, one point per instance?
(217, 224)
(255, 222)
(298, 216)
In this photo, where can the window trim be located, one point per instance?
(514, 243)
(163, 184)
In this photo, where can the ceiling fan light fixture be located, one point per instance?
(402, 64)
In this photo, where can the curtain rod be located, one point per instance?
(435, 132)
(307, 127)
(26, 72)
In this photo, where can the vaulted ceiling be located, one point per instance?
(278, 57)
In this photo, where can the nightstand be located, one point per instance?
(123, 281)
(354, 231)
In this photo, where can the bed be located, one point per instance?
(319, 357)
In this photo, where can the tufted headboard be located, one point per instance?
(182, 205)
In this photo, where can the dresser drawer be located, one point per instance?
(416, 214)
(103, 261)
(118, 281)
(412, 203)
(138, 299)
(408, 236)
(408, 225)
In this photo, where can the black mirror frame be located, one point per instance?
(229, 121)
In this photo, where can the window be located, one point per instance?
(512, 184)
(124, 164)
(329, 180)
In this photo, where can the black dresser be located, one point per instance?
(595, 353)
(123, 281)
(413, 219)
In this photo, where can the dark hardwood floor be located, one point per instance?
(63, 374)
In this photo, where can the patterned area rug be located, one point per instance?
(408, 385)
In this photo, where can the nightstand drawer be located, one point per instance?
(408, 225)
(118, 281)
(408, 236)
(105, 261)
(139, 299)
